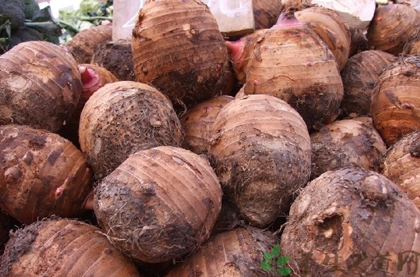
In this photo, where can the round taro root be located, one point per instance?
(291, 62)
(391, 27)
(260, 149)
(116, 56)
(266, 13)
(39, 84)
(41, 174)
(84, 44)
(178, 48)
(359, 76)
(346, 142)
(331, 28)
(159, 204)
(395, 100)
(122, 118)
(57, 247)
(351, 222)
(402, 165)
(233, 253)
(198, 120)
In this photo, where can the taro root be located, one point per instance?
(198, 120)
(412, 47)
(346, 142)
(266, 13)
(124, 117)
(178, 48)
(351, 222)
(116, 57)
(331, 28)
(93, 77)
(291, 62)
(358, 42)
(85, 43)
(359, 76)
(39, 85)
(57, 247)
(395, 104)
(391, 27)
(159, 204)
(402, 165)
(260, 149)
(238, 252)
(41, 174)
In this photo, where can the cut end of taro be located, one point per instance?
(90, 79)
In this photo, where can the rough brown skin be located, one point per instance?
(359, 76)
(84, 44)
(178, 48)
(198, 120)
(346, 142)
(331, 28)
(395, 104)
(266, 13)
(57, 247)
(402, 165)
(233, 253)
(93, 77)
(291, 62)
(260, 149)
(122, 118)
(359, 42)
(412, 46)
(116, 57)
(42, 174)
(38, 81)
(391, 27)
(344, 220)
(159, 204)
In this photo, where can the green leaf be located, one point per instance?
(265, 266)
(283, 260)
(268, 257)
(275, 251)
(284, 271)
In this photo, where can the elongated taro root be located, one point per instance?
(351, 222)
(332, 29)
(260, 149)
(41, 174)
(117, 57)
(39, 84)
(198, 120)
(395, 104)
(93, 77)
(391, 27)
(266, 13)
(84, 44)
(346, 142)
(159, 204)
(291, 62)
(402, 165)
(178, 48)
(233, 253)
(122, 118)
(359, 76)
(57, 247)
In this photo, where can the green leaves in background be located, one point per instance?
(268, 264)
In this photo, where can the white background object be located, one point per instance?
(357, 13)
